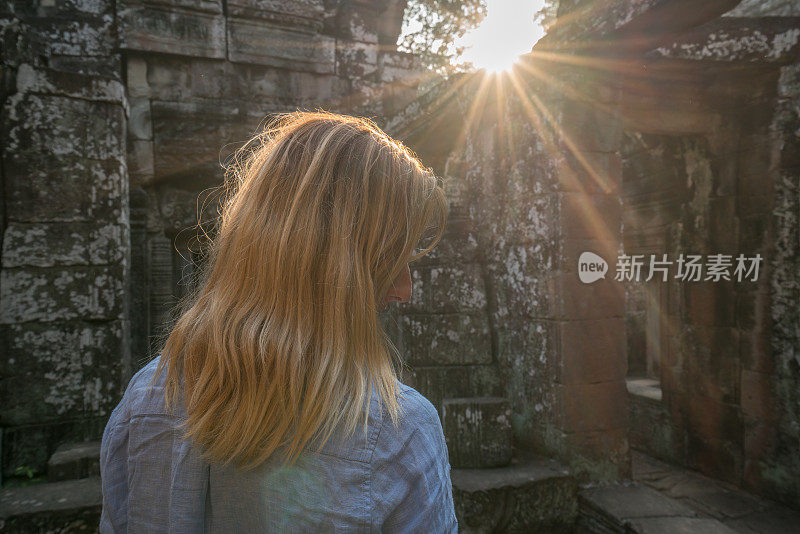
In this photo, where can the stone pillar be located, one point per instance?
(63, 314)
(588, 323)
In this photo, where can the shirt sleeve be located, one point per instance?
(153, 480)
(410, 486)
(114, 473)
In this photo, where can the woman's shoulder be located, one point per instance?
(417, 422)
(145, 393)
(415, 408)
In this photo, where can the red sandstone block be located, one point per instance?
(708, 419)
(755, 349)
(758, 402)
(590, 172)
(759, 438)
(724, 225)
(592, 216)
(752, 307)
(591, 351)
(711, 362)
(572, 248)
(710, 303)
(572, 299)
(589, 125)
(591, 407)
(717, 458)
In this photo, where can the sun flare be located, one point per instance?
(508, 31)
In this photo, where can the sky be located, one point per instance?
(507, 32)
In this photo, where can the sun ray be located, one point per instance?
(537, 111)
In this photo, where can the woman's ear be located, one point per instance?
(401, 287)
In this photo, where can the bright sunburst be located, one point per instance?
(507, 32)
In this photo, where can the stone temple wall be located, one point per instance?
(553, 350)
(116, 116)
(677, 135)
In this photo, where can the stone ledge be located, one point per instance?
(44, 507)
(632, 507)
(532, 495)
(74, 461)
(763, 40)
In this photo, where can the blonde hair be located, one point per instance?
(282, 339)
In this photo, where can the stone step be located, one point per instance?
(66, 506)
(531, 495)
(477, 431)
(72, 461)
(635, 508)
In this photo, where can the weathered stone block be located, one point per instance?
(526, 219)
(62, 188)
(212, 129)
(52, 371)
(535, 496)
(524, 360)
(309, 87)
(72, 461)
(140, 162)
(652, 430)
(32, 445)
(755, 350)
(48, 507)
(69, 84)
(82, 38)
(182, 209)
(266, 43)
(171, 30)
(57, 294)
(136, 71)
(711, 420)
(723, 225)
(161, 77)
(477, 431)
(214, 79)
(140, 124)
(210, 6)
(64, 126)
(446, 339)
(49, 244)
(520, 285)
(438, 383)
(455, 247)
(447, 289)
(399, 67)
(736, 40)
(299, 12)
(356, 59)
(623, 503)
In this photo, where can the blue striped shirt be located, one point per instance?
(395, 480)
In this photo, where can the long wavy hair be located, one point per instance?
(282, 342)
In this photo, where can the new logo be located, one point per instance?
(591, 267)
